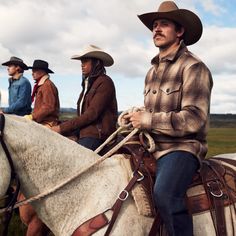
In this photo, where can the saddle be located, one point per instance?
(215, 184)
(145, 163)
(218, 181)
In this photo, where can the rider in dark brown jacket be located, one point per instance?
(97, 105)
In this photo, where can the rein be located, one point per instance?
(11, 197)
(4, 146)
(14, 176)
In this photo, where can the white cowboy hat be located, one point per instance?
(92, 51)
(169, 10)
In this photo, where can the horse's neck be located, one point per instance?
(41, 157)
(44, 159)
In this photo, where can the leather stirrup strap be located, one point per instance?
(217, 204)
(92, 225)
(155, 225)
(122, 197)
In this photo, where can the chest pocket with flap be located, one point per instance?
(170, 96)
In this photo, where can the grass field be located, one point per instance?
(221, 139)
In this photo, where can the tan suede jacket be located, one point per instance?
(47, 106)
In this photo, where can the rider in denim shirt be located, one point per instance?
(19, 88)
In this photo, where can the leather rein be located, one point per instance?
(14, 178)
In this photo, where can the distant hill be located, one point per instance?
(223, 120)
(68, 110)
(216, 120)
(67, 113)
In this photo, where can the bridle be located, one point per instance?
(12, 196)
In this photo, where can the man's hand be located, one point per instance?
(134, 118)
(28, 117)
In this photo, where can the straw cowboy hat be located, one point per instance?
(169, 10)
(92, 51)
(16, 61)
(42, 65)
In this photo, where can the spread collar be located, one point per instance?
(171, 56)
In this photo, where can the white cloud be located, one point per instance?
(213, 7)
(223, 94)
(217, 48)
(57, 29)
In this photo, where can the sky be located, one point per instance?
(54, 30)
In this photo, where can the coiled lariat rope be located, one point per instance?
(123, 127)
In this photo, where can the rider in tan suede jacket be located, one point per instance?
(44, 95)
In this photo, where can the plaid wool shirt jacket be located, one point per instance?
(177, 103)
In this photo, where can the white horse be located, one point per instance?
(43, 159)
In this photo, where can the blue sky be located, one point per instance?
(57, 29)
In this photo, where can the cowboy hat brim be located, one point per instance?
(189, 20)
(105, 57)
(17, 63)
(40, 68)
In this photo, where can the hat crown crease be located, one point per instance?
(167, 6)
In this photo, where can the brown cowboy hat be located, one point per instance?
(92, 51)
(16, 61)
(42, 65)
(169, 10)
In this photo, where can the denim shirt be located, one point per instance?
(19, 96)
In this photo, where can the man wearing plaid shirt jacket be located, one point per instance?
(176, 113)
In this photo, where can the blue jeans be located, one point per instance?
(174, 173)
(90, 143)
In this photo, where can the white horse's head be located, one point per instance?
(5, 171)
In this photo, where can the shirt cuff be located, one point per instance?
(146, 120)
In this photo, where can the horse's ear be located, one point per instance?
(2, 123)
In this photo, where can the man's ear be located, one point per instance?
(19, 69)
(180, 33)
